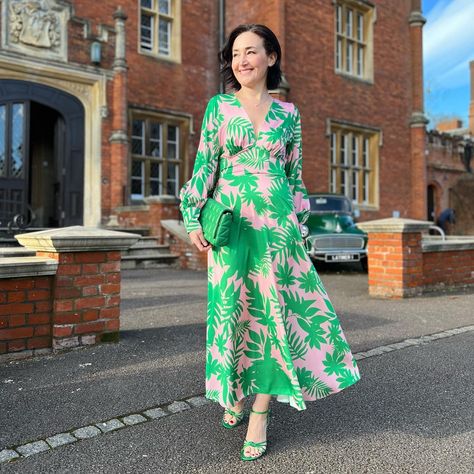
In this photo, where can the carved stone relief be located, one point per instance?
(35, 27)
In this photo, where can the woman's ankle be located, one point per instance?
(239, 404)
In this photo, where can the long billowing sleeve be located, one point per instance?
(294, 169)
(194, 193)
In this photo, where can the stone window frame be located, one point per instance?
(354, 152)
(349, 34)
(151, 162)
(173, 18)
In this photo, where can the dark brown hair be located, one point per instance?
(271, 45)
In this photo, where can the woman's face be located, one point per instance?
(250, 61)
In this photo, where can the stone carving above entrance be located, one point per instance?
(35, 27)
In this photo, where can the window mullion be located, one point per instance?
(164, 168)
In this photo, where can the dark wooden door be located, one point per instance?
(15, 99)
(14, 164)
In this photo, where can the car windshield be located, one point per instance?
(329, 204)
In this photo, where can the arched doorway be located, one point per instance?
(431, 200)
(41, 155)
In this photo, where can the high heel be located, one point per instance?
(239, 416)
(261, 446)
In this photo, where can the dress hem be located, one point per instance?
(285, 398)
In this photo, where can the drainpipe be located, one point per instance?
(221, 40)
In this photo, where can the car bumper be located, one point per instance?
(336, 256)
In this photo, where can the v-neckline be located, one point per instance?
(256, 133)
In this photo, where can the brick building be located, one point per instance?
(450, 160)
(100, 107)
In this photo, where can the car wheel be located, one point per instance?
(364, 263)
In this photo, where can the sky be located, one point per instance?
(448, 46)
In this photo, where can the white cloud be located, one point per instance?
(448, 39)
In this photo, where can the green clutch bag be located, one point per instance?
(216, 221)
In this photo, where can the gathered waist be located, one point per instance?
(239, 169)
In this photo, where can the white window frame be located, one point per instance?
(165, 123)
(353, 171)
(171, 51)
(353, 47)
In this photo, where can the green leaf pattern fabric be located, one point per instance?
(271, 327)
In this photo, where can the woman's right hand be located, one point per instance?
(197, 238)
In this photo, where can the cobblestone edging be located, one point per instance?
(28, 449)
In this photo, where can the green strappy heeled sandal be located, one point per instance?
(262, 446)
(239, 416)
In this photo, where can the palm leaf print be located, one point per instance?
(247, 380)
(212, 366)
(319, 284)
(313, 385)
(298, 348)
(238, 127)
(334, 363)
(277, 112)
(221, 255)
(212, 395)
(347, 378)
(299, 304)
(241, 329)
(285, 275)
(232, 147)
(273, 135)
(255, 198)
(264, 265)
(255, 349)
(270, 324)
(254, 158)
(229, 99)
(280, 241)
(315, 333)
(308, 281)
(221, 342)
(246, 181)
(341, 345)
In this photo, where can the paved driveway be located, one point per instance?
(411, 412)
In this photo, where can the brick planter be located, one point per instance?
(66, 296)
(402, 263)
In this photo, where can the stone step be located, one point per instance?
(147, 250)
(8, 242)
(16, 252)
(149, 261)
(143, 231)
(151, 256)
(148, 243)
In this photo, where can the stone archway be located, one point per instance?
(27, 109)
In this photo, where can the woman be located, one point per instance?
(271, 329)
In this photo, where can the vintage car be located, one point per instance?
(332, 233)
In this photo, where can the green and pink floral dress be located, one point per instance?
(271, 327)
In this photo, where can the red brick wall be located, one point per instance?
(189, 256)
(303, 28)
(86, 293)
(25, 313)
(306, 33)
(452, 183)
(322, 94)
(451, 268)
(153, 83)
(395, 264)
(398, 266)
(150, 218)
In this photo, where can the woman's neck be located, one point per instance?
(255, 95)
